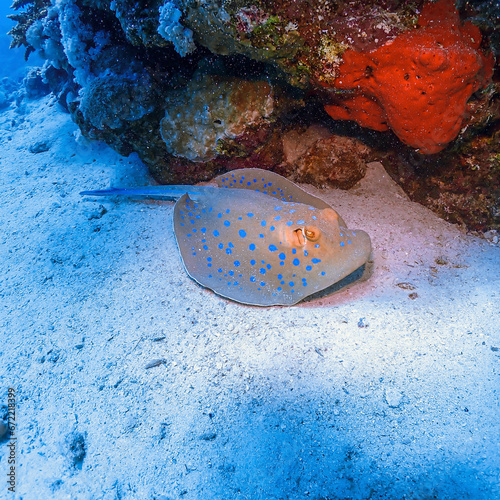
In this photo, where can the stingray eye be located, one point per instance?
(312, 233)
(299, 236)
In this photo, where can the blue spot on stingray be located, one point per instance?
(278, 208)
(227, 223)
(227, 211)
(249, 183)
(240, 218)
(192, 222)
(291, 283)
(230, 245)
(251, 247)
(228, 251)
(341, 235)
(282, 256)
(216, 233)
(249, 214)
(189, 235)
(292, 211)
(221, 246)
(194, 230)
(289, 223)
(315, 261)
(219, 215)
(203, 230)
(209, 259)
(272, 228)
(219, 270)
(348, 242)
(231, 273)
(262, 270)
(277, 218)
(305, 253)
(261, 235)
(282, 263)
(354, 234)
(262, 283)
(296, 262)
(323, 273)
(205, 247)
(237, 263)
(279, 289)
(252, 279)
(242, 233)
(272, 248)
(252, 262)
(294, 251)
(342, 244)
(280, 276)
(317, 245)
(301, 222)
(269, 266)
(314, 217)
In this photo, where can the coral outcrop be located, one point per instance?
(197, 87)
(213, 115)
(419, 83)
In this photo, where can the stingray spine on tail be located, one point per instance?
(166, 193)
(258, 238)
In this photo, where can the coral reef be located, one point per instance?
(419, 84)
(35, 10)
(198, 87)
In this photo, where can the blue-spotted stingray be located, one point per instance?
(258, 238)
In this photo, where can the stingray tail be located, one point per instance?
(169, 193)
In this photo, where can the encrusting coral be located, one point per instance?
(204, 118)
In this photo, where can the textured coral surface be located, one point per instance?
(198, 87)
(418, 84)
(203, 119)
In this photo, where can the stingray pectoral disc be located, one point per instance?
(255, 249)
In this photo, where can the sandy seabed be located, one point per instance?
(133, 382)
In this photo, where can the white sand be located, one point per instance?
(362, 394)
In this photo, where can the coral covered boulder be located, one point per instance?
(216, 115)
(417, 84)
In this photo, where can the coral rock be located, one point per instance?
(334, 161)
(216, 116)
(417, 84)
